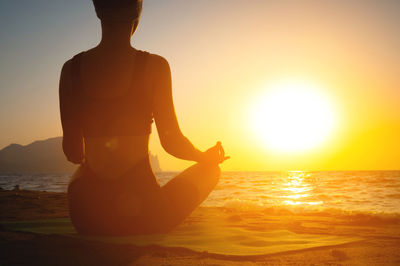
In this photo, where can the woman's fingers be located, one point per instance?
(224, 159)
(222, 152)
(216, 154)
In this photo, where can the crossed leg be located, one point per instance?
(186, 191)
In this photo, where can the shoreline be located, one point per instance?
(380, 244)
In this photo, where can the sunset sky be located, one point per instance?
(226, 56)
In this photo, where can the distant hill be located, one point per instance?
(43, 156)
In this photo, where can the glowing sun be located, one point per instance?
(293, 116)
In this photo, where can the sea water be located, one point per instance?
(365, 192)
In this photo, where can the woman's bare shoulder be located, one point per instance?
(67, 66)
(66, 72)
(158, 63)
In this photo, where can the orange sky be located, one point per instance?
(223, 56)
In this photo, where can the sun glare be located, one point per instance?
(293, 117)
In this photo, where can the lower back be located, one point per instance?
(111, 157)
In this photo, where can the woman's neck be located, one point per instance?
(116, 36)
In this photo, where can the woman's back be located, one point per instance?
(107, 74)
(114, 99)
(116, 81)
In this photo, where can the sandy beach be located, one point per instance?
(376, 242)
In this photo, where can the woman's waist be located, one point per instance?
(137, 177)
(115, 167)
(112, 156)
(128, 143)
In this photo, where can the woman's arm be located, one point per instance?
(73, 145)
(171, 137)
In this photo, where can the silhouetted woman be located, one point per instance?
(109, 96)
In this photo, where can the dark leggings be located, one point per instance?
(134, 203)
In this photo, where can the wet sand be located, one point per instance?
(379, 244)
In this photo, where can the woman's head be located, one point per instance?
(112, 12)
(118, 10)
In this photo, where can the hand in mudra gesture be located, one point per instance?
(215, 154)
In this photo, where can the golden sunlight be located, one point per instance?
(293, 117)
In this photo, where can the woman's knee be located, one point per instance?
(210, 170)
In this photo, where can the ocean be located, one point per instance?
(347, 192)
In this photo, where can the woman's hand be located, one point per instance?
(214, 155)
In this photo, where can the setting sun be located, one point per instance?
(293, 116)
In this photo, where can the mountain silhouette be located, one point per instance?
(42, 156)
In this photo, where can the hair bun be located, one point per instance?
(118, 10)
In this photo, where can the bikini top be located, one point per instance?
(126, 115)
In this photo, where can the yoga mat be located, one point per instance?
(201, 237)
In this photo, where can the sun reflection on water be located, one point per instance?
(298, 190)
